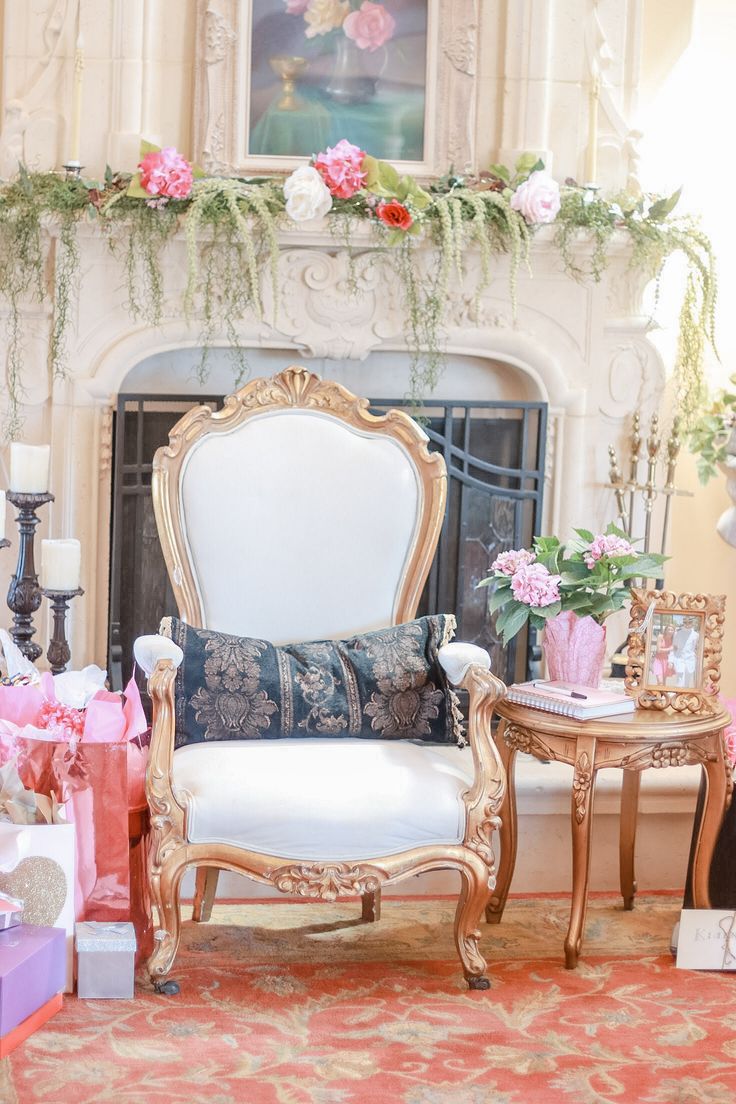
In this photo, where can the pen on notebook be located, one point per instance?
(560, 690)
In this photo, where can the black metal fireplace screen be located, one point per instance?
(494, 452)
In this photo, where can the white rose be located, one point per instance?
(307, 195)
(323, 16)
(538, 198)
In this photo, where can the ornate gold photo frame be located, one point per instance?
(674, 650)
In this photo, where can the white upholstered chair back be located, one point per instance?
(294, 514)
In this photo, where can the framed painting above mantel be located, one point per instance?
(276, 81)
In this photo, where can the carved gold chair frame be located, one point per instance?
(171, 852)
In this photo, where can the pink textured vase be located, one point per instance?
(574, 648)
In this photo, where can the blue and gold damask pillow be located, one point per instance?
(384, 685)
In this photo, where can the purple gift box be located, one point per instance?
(32, 971)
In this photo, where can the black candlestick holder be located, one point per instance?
(4, 543)
(59, 653)
(24, 593)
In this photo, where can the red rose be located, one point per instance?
(394, 214)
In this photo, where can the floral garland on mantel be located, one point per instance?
(230, 226)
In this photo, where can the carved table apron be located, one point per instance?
(633, 741)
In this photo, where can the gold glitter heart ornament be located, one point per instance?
(40, 883)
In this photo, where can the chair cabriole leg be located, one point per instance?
(371, 906)
(165, 888)
(470, 906)
(204, 893)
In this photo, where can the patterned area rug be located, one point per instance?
(303, 1004)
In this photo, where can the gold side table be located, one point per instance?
(634, 741)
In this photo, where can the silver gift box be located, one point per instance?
(105, 959)
(11, 912)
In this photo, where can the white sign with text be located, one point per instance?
(707, 940)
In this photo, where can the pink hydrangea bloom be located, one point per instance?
(607, 545)
(535, 586)
(339, 167)
(166, 173)
(507, 563)
(370, 26)
(296, 7)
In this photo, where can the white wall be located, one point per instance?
(685, 145)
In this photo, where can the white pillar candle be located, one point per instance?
(29, 468)
(76, 121)
(60, 564)
(591, 153)
(2, 515)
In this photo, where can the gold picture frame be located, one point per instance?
(674, 650)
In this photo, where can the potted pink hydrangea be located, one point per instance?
(567, 591)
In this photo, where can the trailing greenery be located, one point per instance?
(712, 433)
(230, 228)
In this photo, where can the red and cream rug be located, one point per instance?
(303, 1004)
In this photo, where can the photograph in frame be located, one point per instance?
(675, 650)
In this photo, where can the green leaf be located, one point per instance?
(546, 612)
(499, 598)
(613, 530)
(148, 147)
(501, 171)
(573, 571)
(576, 600)
(586, 535)
(381, 178)
(512, 620)
(663, 207)
(543, 546)
(549, 560)
(414, 192)
(528, 163)
(135, 188)
(108, 175)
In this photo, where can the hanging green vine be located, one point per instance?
(229, 228)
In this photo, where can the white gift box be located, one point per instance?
(105, 959)
(37, 866)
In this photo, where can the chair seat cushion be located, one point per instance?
(387, 684)
(323, 799)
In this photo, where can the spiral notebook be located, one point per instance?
(582, 703)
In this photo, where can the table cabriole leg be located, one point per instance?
(583, 789)
(507, 832)
(630, 785)
(716, 792)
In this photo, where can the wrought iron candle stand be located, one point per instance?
(59, 652)
(24, 593)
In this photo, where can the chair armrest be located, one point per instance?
(455, 659)
(148, 650)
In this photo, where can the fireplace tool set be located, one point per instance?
(627, 491)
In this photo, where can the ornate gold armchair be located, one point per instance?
(294, 514)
